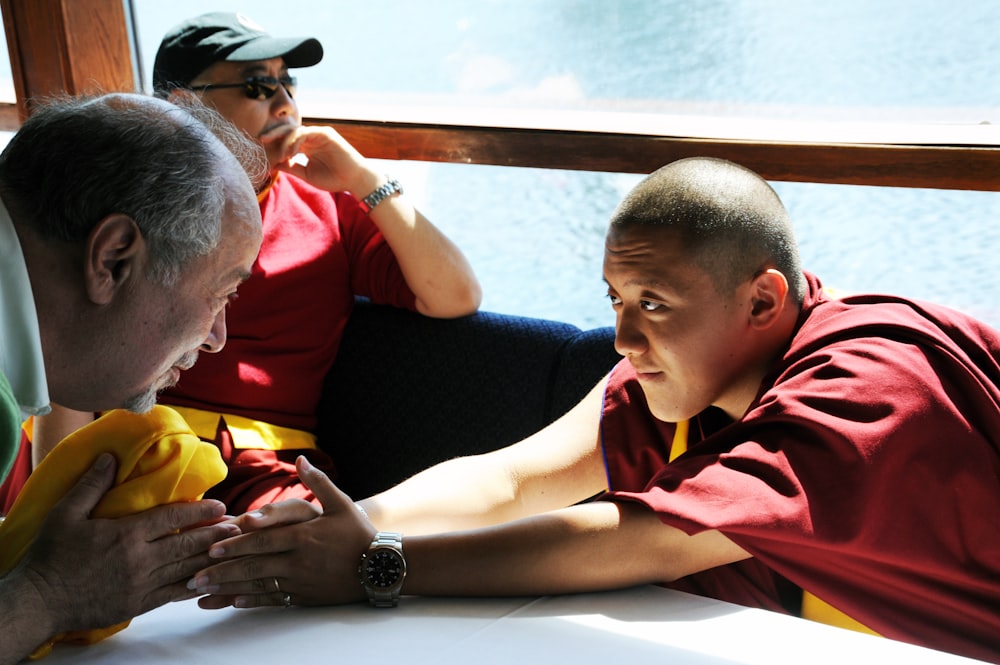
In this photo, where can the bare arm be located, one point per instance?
(494, 524)
(559, 466)
(586, 547)
(435, 269)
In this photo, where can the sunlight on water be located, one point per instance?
(535, 236)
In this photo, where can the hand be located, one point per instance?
(94, 573)
(333, 163)
(312, 562)
(291, 511)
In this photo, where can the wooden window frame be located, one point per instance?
(86, 46)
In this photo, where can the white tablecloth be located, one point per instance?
(642, 625)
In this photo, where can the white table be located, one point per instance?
(642, 625)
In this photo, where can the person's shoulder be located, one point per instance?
(894, 329)
(862, 313)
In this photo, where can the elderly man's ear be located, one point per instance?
(115, 253)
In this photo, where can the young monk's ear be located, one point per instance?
(114, 251)
(768, 293)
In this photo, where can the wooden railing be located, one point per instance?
(80, 46)
(898, 155)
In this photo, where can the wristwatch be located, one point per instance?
(383, 568)
(379, 195)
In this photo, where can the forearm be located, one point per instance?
(591, 547)
(25, 621)
(435, 269)
(559, 466)
(462, 493)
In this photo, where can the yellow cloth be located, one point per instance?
(815, 609)
(160, 461)
(246, 432)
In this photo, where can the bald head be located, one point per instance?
(728, 219)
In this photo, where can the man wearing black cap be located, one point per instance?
(335, 227)
(231, 61)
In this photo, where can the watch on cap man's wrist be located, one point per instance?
(379, 195)
(383, 568)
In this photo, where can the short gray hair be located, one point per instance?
(77, 160)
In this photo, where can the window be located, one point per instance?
(534, 236)
(7, 94)
(6, 79)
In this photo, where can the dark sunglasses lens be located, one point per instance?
(266, 87)
(256, 89)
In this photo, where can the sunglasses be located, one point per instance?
(256, 87)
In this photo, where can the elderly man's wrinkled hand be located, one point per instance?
(93, 573)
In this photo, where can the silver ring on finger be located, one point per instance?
(277, 587)
(286, 599)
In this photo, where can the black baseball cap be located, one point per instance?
(192, 46)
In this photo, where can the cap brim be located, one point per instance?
(296, 51)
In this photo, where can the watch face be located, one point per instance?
(383, 568)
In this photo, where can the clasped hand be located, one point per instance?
(93, 573)
(290, 552)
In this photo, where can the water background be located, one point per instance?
(535, 236)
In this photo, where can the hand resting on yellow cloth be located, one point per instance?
(160, 461)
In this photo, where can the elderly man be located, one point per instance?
(762, 442)
(126, 226)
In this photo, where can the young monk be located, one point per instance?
(762, 443)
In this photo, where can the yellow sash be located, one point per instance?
(815, 609)
(679, 445)
(247, 433)
(160, 461)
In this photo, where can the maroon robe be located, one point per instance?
(866, 471)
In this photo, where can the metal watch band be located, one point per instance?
(380, 195)
(390, 538)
